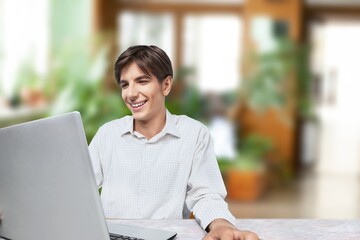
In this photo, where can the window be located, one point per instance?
(213, 49)
(1, 45)
(146, 29)
(24, 36)
(211, 44)
(335, 61)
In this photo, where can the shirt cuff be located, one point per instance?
(205, 216)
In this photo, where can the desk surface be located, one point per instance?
(267, 229)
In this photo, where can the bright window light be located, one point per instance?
(213, 49)
(146, 29)
(25, 36)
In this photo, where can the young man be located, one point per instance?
(154, 165)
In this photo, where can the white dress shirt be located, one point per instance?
(155, 178)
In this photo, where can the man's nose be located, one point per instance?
(133, 91)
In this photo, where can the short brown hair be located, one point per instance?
(150, 59)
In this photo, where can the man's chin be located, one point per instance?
(139, 116)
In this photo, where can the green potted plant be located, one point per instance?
(245, 175)
(277, 84)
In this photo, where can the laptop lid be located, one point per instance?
(47, 186)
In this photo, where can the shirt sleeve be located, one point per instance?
(206, 190)
(95, 155)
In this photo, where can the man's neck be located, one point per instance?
(150, 128)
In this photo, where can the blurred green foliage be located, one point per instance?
(188, 103)
(77, 83)
(185, 98)
(267, 84)
(251, 154)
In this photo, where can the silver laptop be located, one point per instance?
(47, 186)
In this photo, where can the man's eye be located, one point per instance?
(143, 82)
(123, 85)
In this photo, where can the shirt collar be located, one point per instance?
(170, 126)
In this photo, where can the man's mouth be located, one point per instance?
(137, 105)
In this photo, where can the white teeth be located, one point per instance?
(135, 105)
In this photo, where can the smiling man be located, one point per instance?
(155, 165)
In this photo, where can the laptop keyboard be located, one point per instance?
(122, 237)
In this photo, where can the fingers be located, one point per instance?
(208, 237)
(246, 235)
(237, 235)
(230, 233)
(227, 234)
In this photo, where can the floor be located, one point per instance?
(311, 196)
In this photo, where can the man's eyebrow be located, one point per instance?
(137, 78)
(143, 76)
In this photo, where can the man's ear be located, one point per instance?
(166, 85)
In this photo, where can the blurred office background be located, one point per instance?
(276, 81)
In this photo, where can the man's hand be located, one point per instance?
(220, 229)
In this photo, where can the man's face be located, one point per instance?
(143, 94)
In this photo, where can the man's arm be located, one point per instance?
(206, 190)
(94, 151)
(206, 193)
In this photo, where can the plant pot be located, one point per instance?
(245, 185)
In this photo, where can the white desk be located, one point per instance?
(267, 229)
